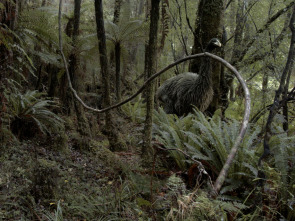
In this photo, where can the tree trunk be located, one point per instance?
(150, 60)
(76, 73)
(223, 85)
(115, 143)
(118, 4)
(118, 74)
(283, 84)
(209, 25)
(238, 37)
(9, 14)
(140, 8)
(115, 54)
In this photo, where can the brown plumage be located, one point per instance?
(179, 94)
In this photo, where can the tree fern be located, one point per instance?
(40, 36)
(123, 32)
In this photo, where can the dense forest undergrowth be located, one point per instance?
(61, 160)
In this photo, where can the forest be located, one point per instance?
(147, 110)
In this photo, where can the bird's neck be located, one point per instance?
(205, 68)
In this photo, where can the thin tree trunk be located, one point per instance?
(118, 74)
(75, 71)
(251, 41)
(151, 53)
(118, 4)
(140, 8)
(285, 91)
(115, 143)
(9, 13)
(115, 54)
(285, 103)
(239, 31)
(223, 85)
(283, 83)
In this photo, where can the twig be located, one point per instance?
(229, 2)
(265, 27)
(189, 23)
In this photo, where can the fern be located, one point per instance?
(126, 32)
(32, 107)
(198, 206)
(135, 110)
(168, 129)
(209, 140)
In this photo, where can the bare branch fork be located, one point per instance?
(223, 173)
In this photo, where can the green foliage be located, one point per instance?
(168, 129)
(15, 183)
(198, 206)
(135, 110)
(91, 192)
(38, 32)
(126, 33)
(209, 140)
(57, 214)
(24, 109)
(134, 30)
(6, 36)
(15, 45)
(106, 202)
(280, 170)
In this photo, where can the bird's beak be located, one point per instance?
(218, 44)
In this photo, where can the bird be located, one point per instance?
(179, 94)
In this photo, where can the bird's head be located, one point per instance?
(213, 43)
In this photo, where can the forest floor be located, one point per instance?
(48, 174)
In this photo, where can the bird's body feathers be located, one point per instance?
(179, 94)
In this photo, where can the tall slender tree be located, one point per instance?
(150, 68)
(110, 129)
(76, 73)
(238, 37)
(117, 53)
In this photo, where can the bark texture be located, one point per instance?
(150, 68)
(76, 73)
(280, 92)
(115, 143)
(209, 25)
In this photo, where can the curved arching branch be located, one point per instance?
(221, 177)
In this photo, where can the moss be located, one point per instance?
(79, 142)
(45, 179)
(107, 157)
(60, 142)
(69, 123)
